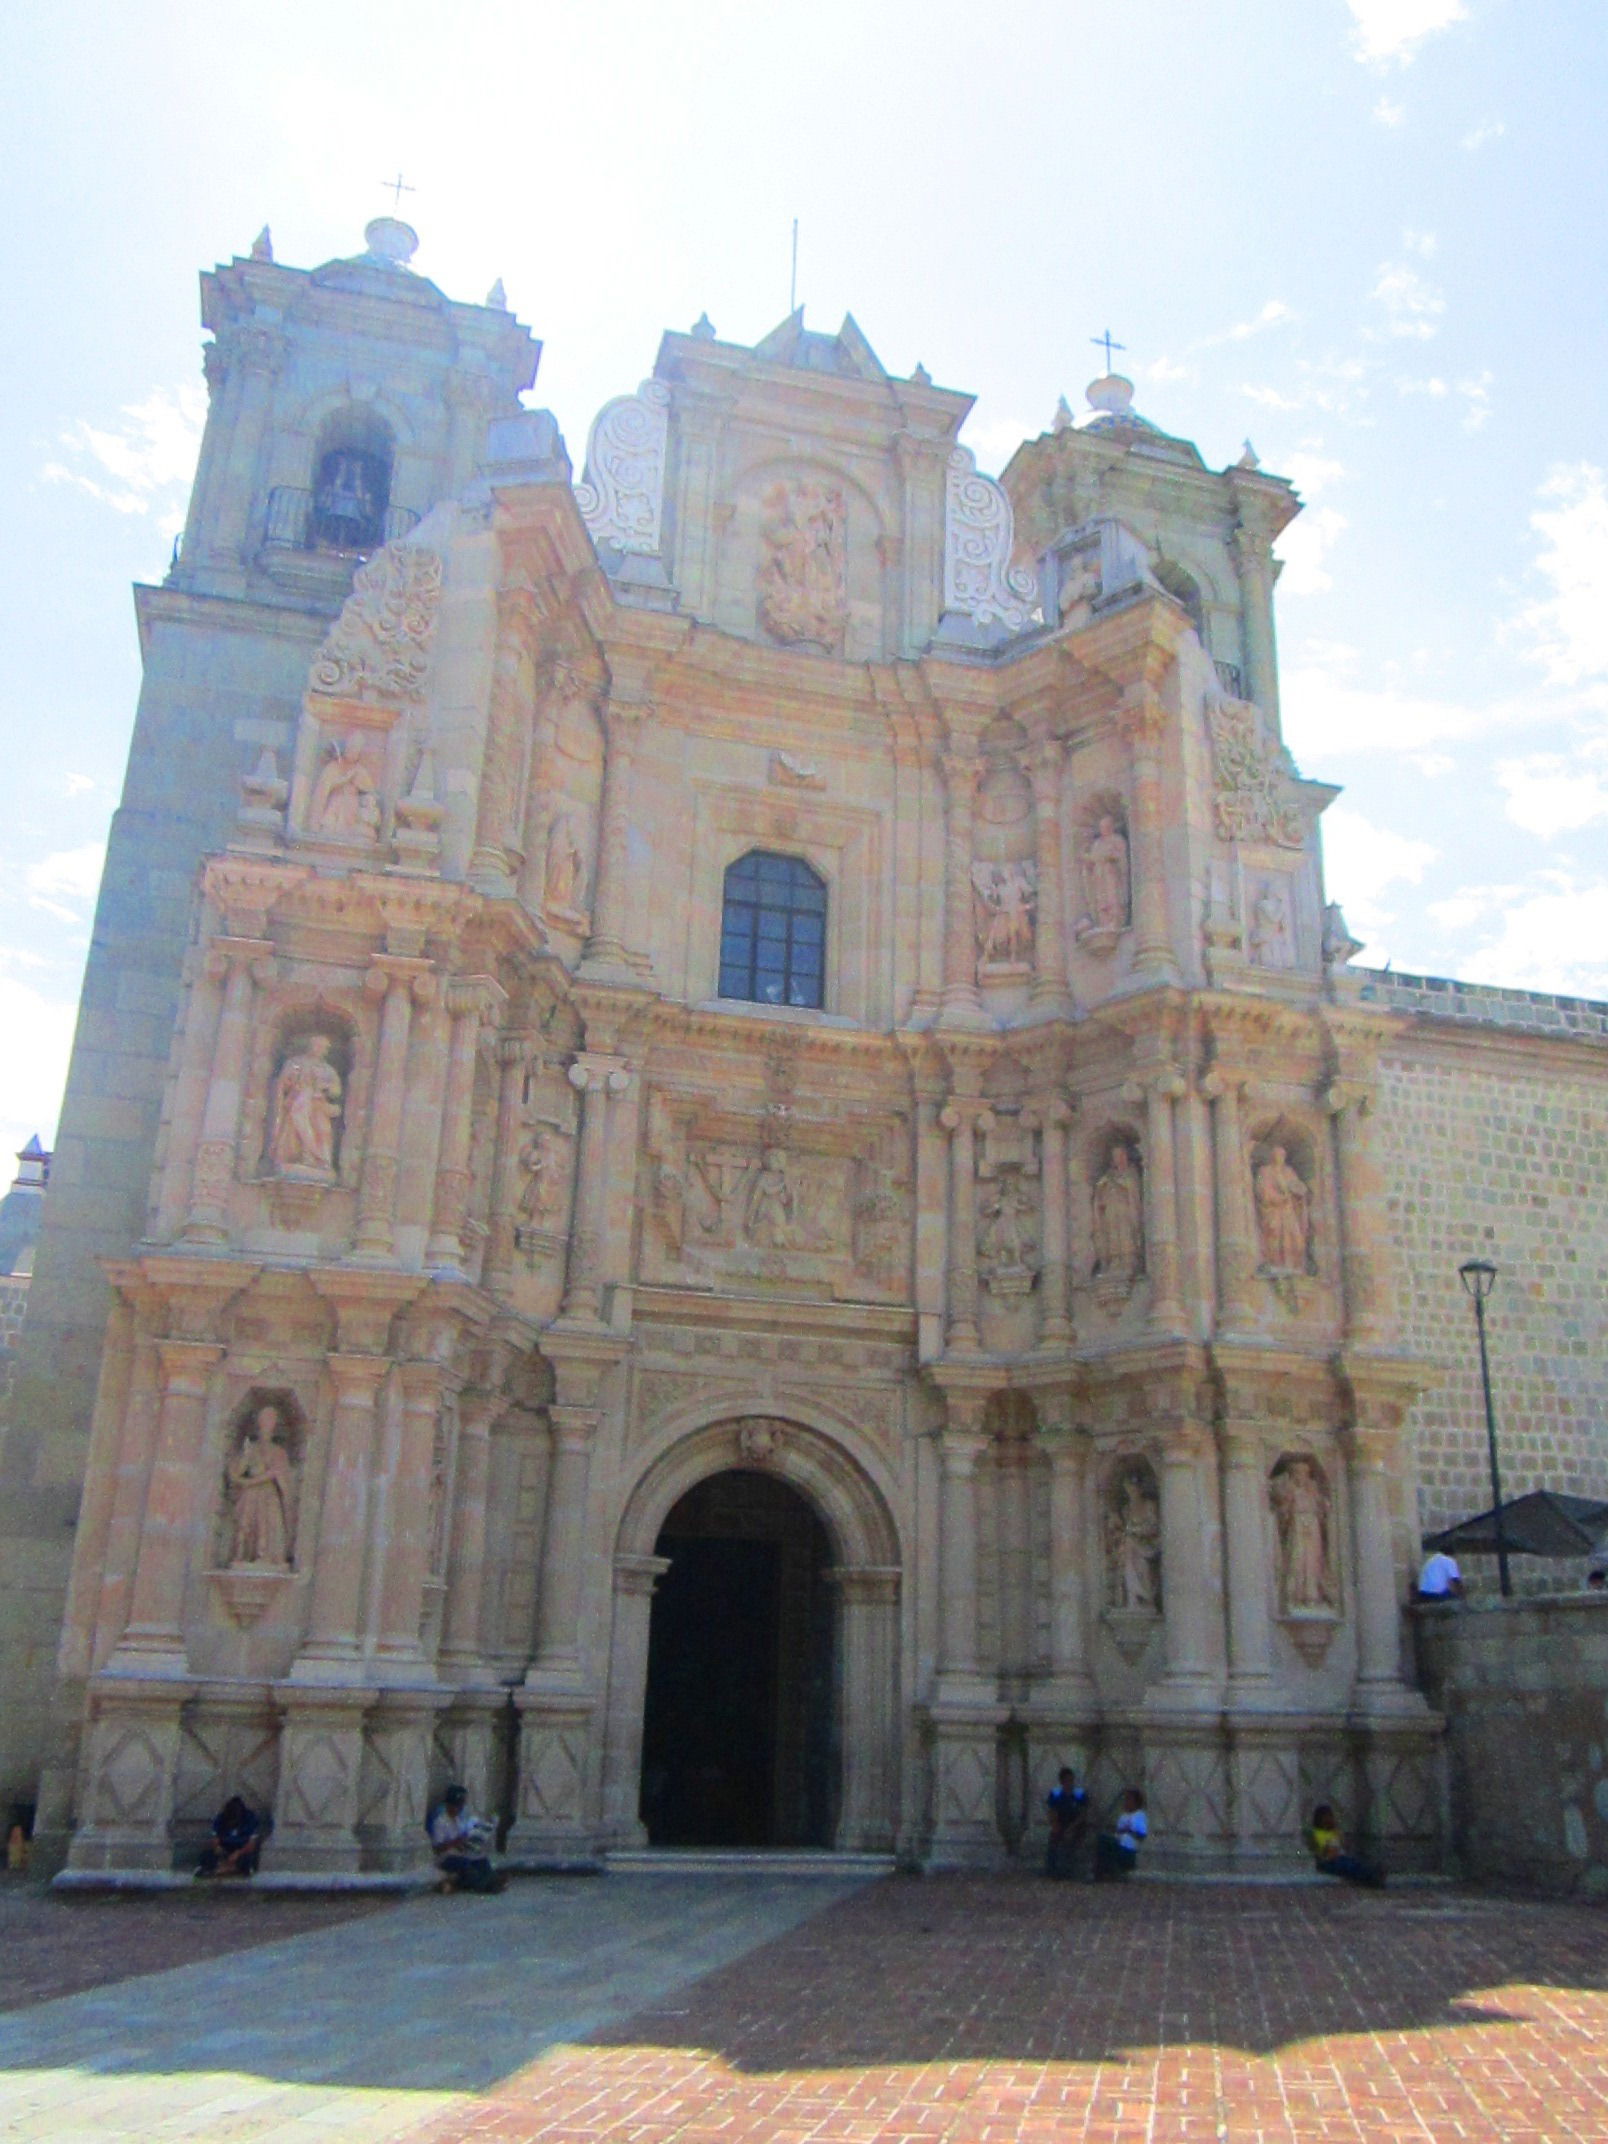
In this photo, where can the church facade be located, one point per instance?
(756, 1200)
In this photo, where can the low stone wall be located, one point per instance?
(1524, 1688)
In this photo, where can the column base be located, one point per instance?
(963, 1752)
(127, 1775)
(556, 1767)
(320, 1773)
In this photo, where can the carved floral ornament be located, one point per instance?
(378, 650)
(1253, 777)
(979, 537)
(621, 496)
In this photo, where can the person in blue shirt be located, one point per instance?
(1068, 1805)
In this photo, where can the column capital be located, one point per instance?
(227, 952)
(574, 1426)
(480, 997)
(640, 1574)
(184, 1361)
(389, 971)
(357, 1376)
(1142, 716)
(597, 1071)
(969, 1110)
(865, 1584)
(1342, 1095)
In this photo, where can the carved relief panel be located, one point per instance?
(1004, 872)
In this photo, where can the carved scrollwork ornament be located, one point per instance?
(979, 538)
(621, 496)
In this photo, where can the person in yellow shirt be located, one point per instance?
(1328, 1843)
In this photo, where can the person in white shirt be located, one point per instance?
(459, 1838)
(1440, 1579)
(1116, 1852)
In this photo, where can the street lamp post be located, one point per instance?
(1479, 1278)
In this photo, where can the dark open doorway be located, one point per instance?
(738, 1735)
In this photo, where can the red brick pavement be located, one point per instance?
(975, 2011)
(51, 1944)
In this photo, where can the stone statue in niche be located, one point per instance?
(1271, 943)
(1133, 1542)
(1080, 586)
(1007, 895)
(669, 1196)
(1119, 1229)
(307, 1110)
(1283, 1214)
(1301, 1505)
(542, 1157)
(262, 1498)
(345, 803)
(803, 594)
(1105, 875)
(768, 1220)
(1007, 1246)
(564, 887)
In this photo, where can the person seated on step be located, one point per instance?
(1116, 1852)
(1328, 1844)
(1068, 1805)
(460, 1839)
(238, 1833)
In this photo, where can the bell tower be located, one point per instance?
(345, 402)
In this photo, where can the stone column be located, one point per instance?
(962, 1119)
(471, 397)
(1050, 993)
(1250, 1633)
(1143, 724)
(1013, 1461)
(460, 1653)
(961, 1443)
(868, 1630)
(1161, 1203)
(407, 1543)
(333, 1644)
(1379, 1681)
(394, 981)
(514, 1052)
(1068, 1451)
(469, 1003)
(558, 1600)
(237, 963)
(1360, 1203)
(250, 355)
(499, 826)
(1055, 1277)
(1253, 561)
(1236, 1257)
(177, 1471)
(961, 1004)
(596, 1076)
(1183, 1569)
(611, 894)
(635, 1580)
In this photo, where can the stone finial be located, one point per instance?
(390, 241)
(497, 297)
(260, 817)
(1112, 395)
(703, 329)
(1062, 420)
(262, 246)
(921, 377)
(1250, 459)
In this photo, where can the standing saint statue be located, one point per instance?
(770, 1204)
(307, 1109)
(1301, 1504)
(1105, 865)
(1283, 1214)
(542, 1159)
(566, 868)
(1119, 1235)
(260, 1478)
(345, 802)
(1133, 1544)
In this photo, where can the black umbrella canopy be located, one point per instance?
(1544, 1523)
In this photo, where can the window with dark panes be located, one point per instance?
(773, 931)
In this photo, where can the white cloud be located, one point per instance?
(1487, 130)
(1326, 714)
(1390, 112)
(1162, 370)
(1569, 627)
(79, 785)
(1476, 394)
(1304, 546)
(1412, 306)
(1552, 935)
(33, 1064)
(1422, 243)
(1384, 30)
(1361, 862)
(1274, 314)
(1310, 470)
(65, 882)
(1336, 387)
(1436, 388)
(145, 466)
(1550, 793)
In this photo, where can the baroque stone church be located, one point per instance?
(724, 1171)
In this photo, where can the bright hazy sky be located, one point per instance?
(1368, 234)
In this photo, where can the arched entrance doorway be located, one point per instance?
(739, 1726)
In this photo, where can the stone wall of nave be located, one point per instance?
(1499, 1150)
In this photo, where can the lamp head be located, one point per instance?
(1478, 1277)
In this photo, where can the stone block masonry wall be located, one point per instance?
(1524, 1687)
(13, 1301)
(1498, 1149)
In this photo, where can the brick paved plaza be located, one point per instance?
(678, 2010)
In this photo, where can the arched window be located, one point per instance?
(773, 931)
(351, 483)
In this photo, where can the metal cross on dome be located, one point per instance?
(398, 186)
(1105, 342)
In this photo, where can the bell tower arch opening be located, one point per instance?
(739, 1731)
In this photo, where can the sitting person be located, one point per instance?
(1116, 1852)
(460, 1839)
(1440, 1579)
(1328, 1845)
(1068, 1805)
(238, 1833)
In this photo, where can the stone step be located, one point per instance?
(746, 1861)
